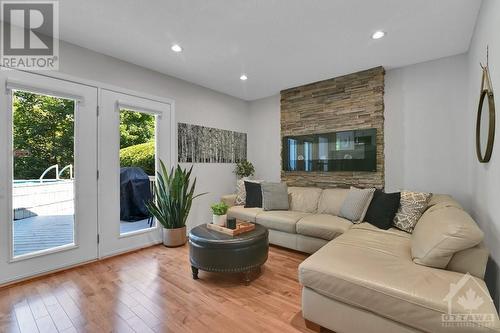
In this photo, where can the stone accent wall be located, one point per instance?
(349, 102)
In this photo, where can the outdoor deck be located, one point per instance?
(44, 232)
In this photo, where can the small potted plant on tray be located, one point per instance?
(219, 211)
(172, 199)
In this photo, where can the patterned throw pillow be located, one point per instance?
(412, 206)
(241, 195)
(356, 204)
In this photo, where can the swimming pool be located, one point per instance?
(31, 182)
(47, 198)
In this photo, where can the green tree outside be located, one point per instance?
(44, 128)
(136, 128)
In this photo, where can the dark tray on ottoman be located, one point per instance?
(213, 251)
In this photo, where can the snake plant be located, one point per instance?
(173, 196)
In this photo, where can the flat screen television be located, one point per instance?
(335, 151)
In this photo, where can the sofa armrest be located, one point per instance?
(472, 261)
(229, 199)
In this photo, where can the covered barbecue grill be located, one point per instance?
(135, 191)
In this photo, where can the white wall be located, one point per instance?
(193, 104)
(264, 138)
(485, 178)
(425, 126)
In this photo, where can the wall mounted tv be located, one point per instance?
(336, 151)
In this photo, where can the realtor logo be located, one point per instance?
(467, 306)
(30, 35)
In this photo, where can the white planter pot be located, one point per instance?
(174, 237)
(219, 220)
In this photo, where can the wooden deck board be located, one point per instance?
(44, 232)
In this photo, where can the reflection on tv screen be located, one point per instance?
(354, 150)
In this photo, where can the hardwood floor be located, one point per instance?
(151, 290)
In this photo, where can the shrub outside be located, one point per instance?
(141, 155)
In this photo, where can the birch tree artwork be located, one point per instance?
(199, 144)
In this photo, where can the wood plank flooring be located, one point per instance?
(151, 290)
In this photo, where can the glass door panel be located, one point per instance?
(137, 169)
(43, 183)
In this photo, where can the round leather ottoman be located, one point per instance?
(213, 251)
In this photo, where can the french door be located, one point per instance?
(48, 174)
(134, 135)
(79, 167)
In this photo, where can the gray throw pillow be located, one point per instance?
(274, 196)
(356, 204)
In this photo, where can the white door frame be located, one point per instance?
(84, 247)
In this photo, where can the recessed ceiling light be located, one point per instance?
(378, 34)
(176, 48)
(243, 77)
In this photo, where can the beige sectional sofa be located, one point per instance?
(363, 279)
(310, 223)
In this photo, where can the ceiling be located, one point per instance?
(278, 43)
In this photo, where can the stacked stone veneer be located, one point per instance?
(349, 102)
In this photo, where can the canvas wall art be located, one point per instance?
(200, 144)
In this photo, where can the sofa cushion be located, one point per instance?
(323, 226)
(304, 199)
(372, 269)
(282, 220)
(440, 233)
(245, 214)
(331, 200)
(412, 206)
(356, 204)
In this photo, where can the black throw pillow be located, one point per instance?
(254, 195)
(382, 209)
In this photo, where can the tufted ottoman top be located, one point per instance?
(203, 236)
